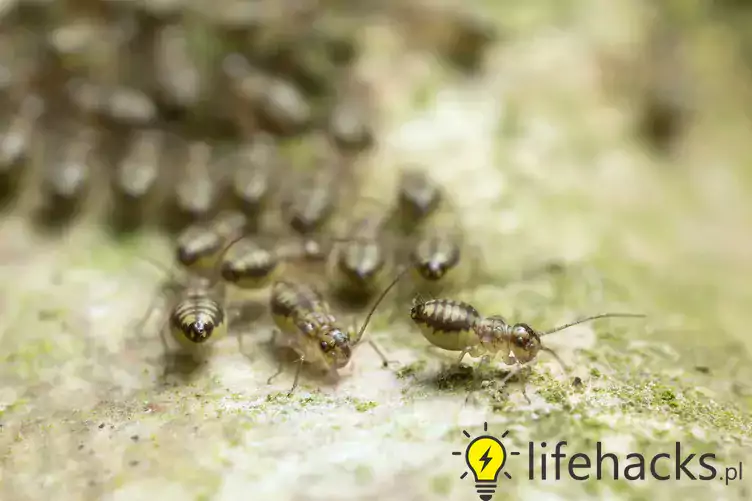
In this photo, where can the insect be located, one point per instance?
(252, 263)
(116, 104)
(359, 260)
(136, 177)
(200, 245)
(277, 104)
(196, 192)
(67, 177)
(457, 326)
(306, 324)
(418, 198)
(197, 317)
(252, 175)
(16, 139)
(313, 203)
(349, 122)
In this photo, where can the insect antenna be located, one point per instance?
(376, 304)
(594, 317)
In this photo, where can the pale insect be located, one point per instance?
(196, 191)
(68, 176)
(200, 245)
(252, 176)
(306, 324)
(252, 263)
(457, 326)
(15, 140)
(136, 177)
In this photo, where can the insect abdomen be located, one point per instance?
(195, 320)
(447, 324)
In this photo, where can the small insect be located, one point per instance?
(358, 262)
(349, 123)
(253, 263)
(177, 73)
(278, 105)
(136, 177)
(16, 139)
(418, 198)
(306, 324)
(197, 317)
(252, 175)
(313, 203)
(457, 326)
(200, 246)
(117, 104)
(196, 192)
(68, 175)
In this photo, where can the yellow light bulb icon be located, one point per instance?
(486, 457)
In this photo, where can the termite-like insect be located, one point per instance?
(253, 263)
(358, 261)
(418, 198)
(196, 191)
(457, 326)
(136, 177)
(199, 246)
(15, 142)
(116, 104)
(278, 105)
(67, 176)
(196, 317)
(311, 205)
(306, 324)
(177, 73)
(252, 176)
(350, 119)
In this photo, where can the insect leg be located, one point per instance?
(357, 338)
(297, 375)
(513, 371)
(464, 352)
(280, 369)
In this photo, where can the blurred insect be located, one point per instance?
(253, 263)
(358, 261)
(16, 140)
(199, 246)
(349, 122)
(177, 74)
(136, 178)
(418, 198)
(196, 191)
(252, 176)
(306, 324)
(457, 326)
(312, 202)
(277, 104)
(68, 175)
(119, 105)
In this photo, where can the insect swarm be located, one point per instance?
(306, 324)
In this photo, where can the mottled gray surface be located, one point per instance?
(541, 160)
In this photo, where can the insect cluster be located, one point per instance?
(240, 133)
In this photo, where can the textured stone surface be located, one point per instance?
(542, 161)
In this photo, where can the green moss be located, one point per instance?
(411, 369)
(365, 406)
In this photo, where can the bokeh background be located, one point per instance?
(612, 137)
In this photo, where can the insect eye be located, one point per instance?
(324, 345)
